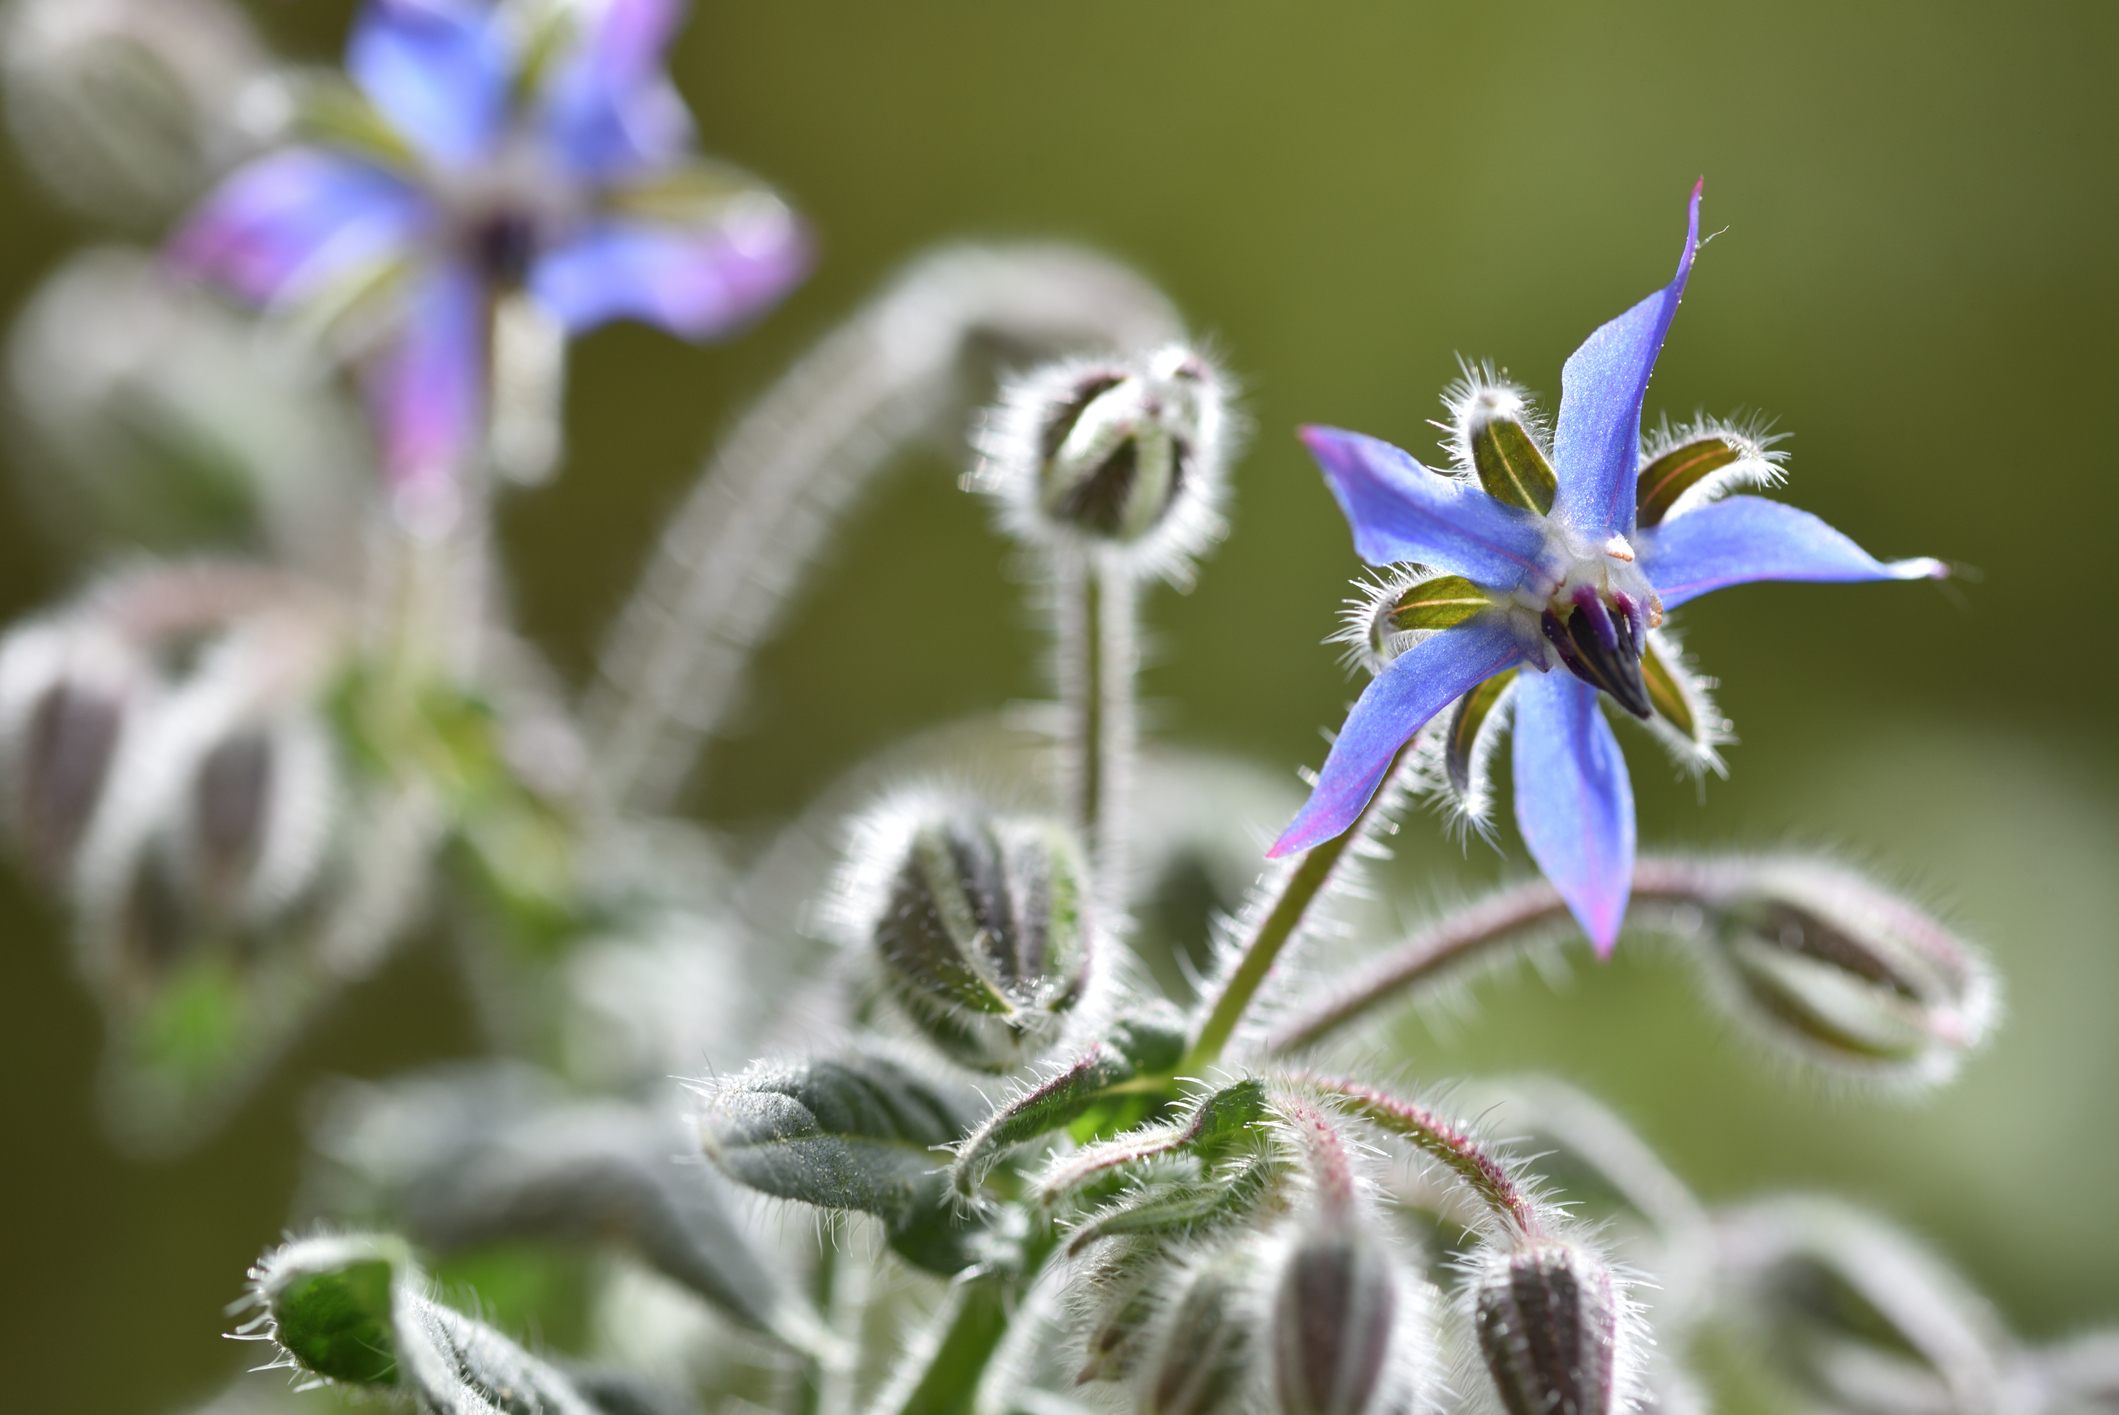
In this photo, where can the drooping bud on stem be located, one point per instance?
(1552, 1328)
(1853, 975)
(1122, 458)
(977, 923)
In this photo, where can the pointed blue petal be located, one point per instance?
(438, 70)
(1574, 802)
(1745, 538)
(427, 389)
(1402, 511)
(1597, 442)
(292, 220)
(610, 110)
(696, 282)
(1418, 684)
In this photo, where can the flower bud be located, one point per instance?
(976, 923)
(1552, 1327)
(152, 416)
(1338, 1324)
(1205, 1349)
(67, 695)
(1126, 458)
(1855, 976)
(253, 831)
(127, 108)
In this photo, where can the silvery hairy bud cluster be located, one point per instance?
(1851, 973)
(1125, 459)
(1554, 1328)
(978, 924)
(148, 414)
(128, 108)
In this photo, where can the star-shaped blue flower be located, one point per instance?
(497, 148)
(1574, 584)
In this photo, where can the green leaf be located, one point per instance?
(1182, 1208)
(866, 1133)
(333, 1304)
(1217, 1126)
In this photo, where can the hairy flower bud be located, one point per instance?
(1339, 1333)
(1205, 1347)
(1854, 975)
(67, 696)
(976, 922)
(1122, 457)
(1552, 1326)
(127, 108)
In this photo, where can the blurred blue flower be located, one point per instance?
(1576, 586)
(491, 149)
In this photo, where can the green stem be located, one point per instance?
(973, 1324)
(1278, 923)
(1094, 613)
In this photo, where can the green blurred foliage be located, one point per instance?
(1914, 204)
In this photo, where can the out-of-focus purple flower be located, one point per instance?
(1567, 562)
(497, 148)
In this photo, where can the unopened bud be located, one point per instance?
(1854, 975)
(1205, 1354)
(1552, 1327)
(1496, 441)
(977, 925)
(1124, 457)
(255, 830)
(152, 416)
(1338, 1324)
(66, 697)
(127, 108)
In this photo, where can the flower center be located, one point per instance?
(1590, 608)
(503, 214)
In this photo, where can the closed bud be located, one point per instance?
(128, 108)
(1339, 1331)
(1553, 1327)
(67, 697)
(150, 415)
(1123, 457)
(976, 923)
(1205, 1352)
(1853, 975)
(253, 831)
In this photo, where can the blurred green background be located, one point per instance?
(1915, 275)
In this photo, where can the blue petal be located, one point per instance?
(438, 69)
(427, 389)
(696, 282)
(1745, 538)
(1574, 803)
(609, 110)
(291, 220)
(1418, 684)
(1402, 511)
(1597, 443)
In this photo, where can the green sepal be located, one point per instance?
(1511, 465)
(1461, 747)
(696, 193)
(1666, 693)
(1442, 602)
(330, 112)
(1679, 470)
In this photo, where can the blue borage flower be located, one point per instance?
(532, 146)
(1562, 561)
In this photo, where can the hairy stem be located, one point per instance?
(1095, 614)
(1498, 921)
(1441, 1140)
(737, 549)
(1276, 916)
(972, 1324)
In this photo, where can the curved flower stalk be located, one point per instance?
(1539, 564)
(493, 151)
